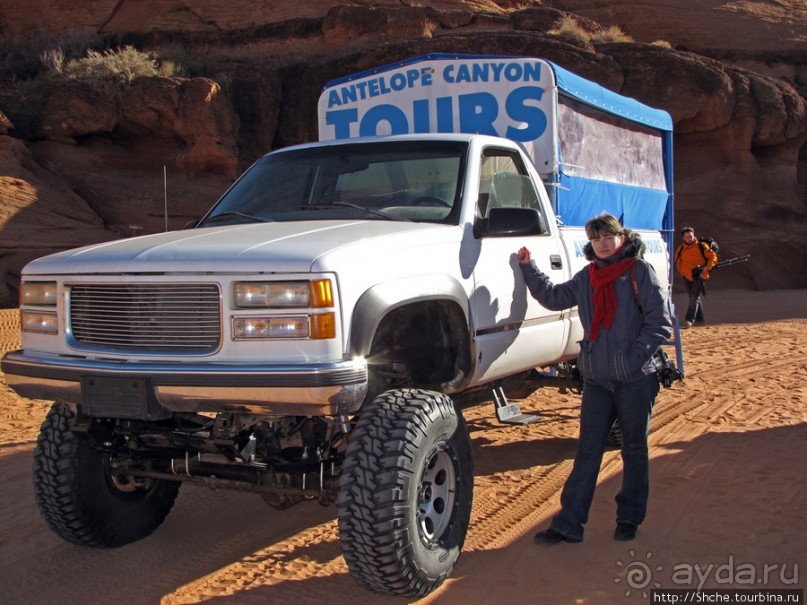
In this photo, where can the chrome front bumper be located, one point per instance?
(305, 390)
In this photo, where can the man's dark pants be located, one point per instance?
(695, 308)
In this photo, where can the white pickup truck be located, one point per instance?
(311, 338)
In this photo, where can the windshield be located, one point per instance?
(392, 180)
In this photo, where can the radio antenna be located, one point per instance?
(165, 193)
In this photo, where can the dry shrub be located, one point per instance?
(570, 27)
(611, 34)
(53, 60)
(31, 57)
(120, 65)
(78, 56)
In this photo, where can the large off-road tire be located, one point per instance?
(405, 492)
(82, 500)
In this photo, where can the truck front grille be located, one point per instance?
(146, 318)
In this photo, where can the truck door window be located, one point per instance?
(504, 183)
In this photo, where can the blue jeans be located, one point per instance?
(632, 403)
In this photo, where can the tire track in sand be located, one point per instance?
(506, 506)
(524, 500)
(307, 565)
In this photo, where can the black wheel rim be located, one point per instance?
(437, 495)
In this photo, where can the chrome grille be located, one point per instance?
(146, 318)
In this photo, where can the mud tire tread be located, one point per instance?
(377, 500)
(76, 497)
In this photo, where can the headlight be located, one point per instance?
(316, 327)
(38, 293)
(43, 322)
(284, 295)
(270, 327)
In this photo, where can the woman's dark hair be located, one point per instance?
(633, 246)
(603, 224)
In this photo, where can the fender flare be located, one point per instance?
(377, 302)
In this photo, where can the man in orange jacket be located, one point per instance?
(694, 260)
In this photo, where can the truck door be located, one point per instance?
(512, 331)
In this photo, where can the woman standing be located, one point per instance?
(623, 329)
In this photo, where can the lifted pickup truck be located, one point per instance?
(311, 338)
(303, 341)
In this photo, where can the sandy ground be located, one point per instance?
(727, 509)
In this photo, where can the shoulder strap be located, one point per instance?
(702, 246)
(634, 282)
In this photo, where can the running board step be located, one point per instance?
(510, 413)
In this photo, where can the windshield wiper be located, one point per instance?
(228, 214)
(389, 217)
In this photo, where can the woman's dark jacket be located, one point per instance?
(622, 353)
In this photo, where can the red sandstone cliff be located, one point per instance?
(79, 165)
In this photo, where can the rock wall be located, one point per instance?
(82, 165)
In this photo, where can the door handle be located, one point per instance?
(555, 262)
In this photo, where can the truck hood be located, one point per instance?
(266, 247)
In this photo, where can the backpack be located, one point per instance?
(710, 243)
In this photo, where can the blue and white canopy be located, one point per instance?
(596, 150)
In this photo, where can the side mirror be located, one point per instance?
(510, 222)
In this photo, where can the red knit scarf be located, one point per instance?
(602, 280)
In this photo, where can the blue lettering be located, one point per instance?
(445, 115)
(480, 72)
(382, 82)
(348, 95)
(491, 72)
(517, 110)
(420, 109)
(426, 76)
(341, 121)
(653, 246)
(478, 112)
(512, 72)
(362, 89)
(383, 113)
(532, 71)
(398, 82)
